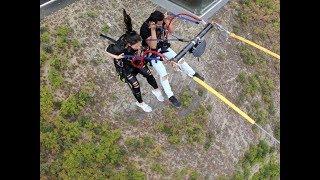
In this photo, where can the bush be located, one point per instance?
(92, 14)
(141, 146)
(75, 43)
(256, 153)
(63, 31)
(59, 63)
(187, 173)
(247, 55)
(192, 126)
(195, 134)
(46, 101)
(186, 99)
(62, 36)
(158, 168)
(43, 57)
(55, 78)
(208, 142)
(105, 29)
(241, 77)
(49, 141)
(45, 37)
(61, 43)
(268, 171)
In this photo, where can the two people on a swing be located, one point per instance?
(153, 33)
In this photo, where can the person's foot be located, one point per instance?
(145, 107)
(174, 101)
(198, 76)
(158, 94)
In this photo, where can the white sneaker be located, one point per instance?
(158, 94)
(145, 107)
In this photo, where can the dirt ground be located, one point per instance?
(114, 101)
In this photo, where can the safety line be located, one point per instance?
(221, 28)
(230, 104)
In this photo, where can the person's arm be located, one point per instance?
(168, 26)
(115, 56)
(151, 41)
(109, 48)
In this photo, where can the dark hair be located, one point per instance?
(131, 36)
(156, 16)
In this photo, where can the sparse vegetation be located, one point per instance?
(140, 146)
(262, 155)
(92, 14)
(192, 126)
(55, 78)
(187, 173)
(186, 98)
(83, 136)
(158, 168)
(105, 29)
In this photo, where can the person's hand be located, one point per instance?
(120, 56)
(174, 65)
(167, 17)
(152, 25)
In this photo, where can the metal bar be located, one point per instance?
(189, 46)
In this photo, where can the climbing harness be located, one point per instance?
(140, 61)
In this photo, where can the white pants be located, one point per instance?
(162, 72)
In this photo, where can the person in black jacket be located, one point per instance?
(130, 44)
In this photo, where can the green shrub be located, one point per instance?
(186, 98)
(268, 171)
(74, 104)
(256, 153)
(195, 134)
(141, 146)
(46, 101)
(59, 63)
(63, 31)
(55, 78)
(241, 77)
(158, 168)
(75, 43)
(43, 57)
(45, 37)
(247, 55)
(61, 43)
(187, 173)
(105, 29)
(92, 14)
(209, 138)
(49, 140)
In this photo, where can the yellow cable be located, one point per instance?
(223, 99)
(255, 45)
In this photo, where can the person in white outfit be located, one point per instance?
(154, 32)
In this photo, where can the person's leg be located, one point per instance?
(164, 80)
(145, 71)
(184, 66)
(135, 88)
